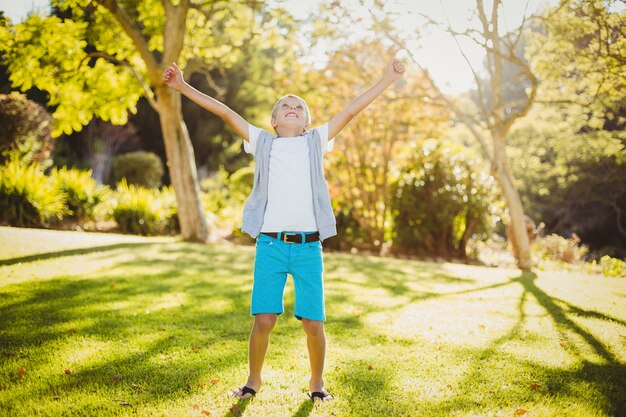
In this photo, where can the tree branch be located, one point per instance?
(131, 29)
(479, 89)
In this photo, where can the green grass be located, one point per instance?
(159, 327)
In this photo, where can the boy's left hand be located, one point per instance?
(395, 69)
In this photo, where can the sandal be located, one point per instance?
(322, 395)
(245, 392)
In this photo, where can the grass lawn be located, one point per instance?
(158, 327)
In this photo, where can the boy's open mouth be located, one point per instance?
(291, 114)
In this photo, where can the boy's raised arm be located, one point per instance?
(173, 77)
(394, 70)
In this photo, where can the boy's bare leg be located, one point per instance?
(257, 347)
(316, 343)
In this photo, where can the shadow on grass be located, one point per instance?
(237, 409)
(607, 378)
(305, 409)
(72, 252)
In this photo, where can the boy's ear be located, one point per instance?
(273, 123)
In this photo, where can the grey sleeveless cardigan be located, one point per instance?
(254, 208)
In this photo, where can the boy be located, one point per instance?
(289, 213)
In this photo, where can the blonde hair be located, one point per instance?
(300, 99)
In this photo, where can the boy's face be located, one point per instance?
(290, 112)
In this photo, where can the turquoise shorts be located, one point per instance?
(275, 259)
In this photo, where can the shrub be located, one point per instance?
(223, 195)
(138, 168)
(441, 198)
(27, 197)
(612, 267)
(82, 194)
(558, 248)
(144, 211)
(24, 130)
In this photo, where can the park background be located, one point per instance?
(501, 147)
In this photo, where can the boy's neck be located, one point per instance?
(286, 132)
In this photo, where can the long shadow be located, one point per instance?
(527, 280)
(72, 252)
(589, 313)
(608, 378)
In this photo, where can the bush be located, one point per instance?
(27, 197)
(224, 195)
(144, 211)
(82, 194)
(25, 128)
(558, 248)
(441, 198)
(612, 267)
(138, 168)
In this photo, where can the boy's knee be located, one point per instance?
(265, 322)
(313, 327)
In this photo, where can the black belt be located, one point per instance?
(294, 237)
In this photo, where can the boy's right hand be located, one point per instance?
(173, 77)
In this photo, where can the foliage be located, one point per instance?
(139, 168)
(579, 50)
(49, 53)
(24, 130)
(81, 193)
(441, 199)
(558, 248)
(27, 197)
(612, 267)
(224, 195)
(144, 211)
(570, 179)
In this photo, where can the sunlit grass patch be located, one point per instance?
(104, 325)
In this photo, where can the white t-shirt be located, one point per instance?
(290, 197)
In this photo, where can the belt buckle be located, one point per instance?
(285, 235)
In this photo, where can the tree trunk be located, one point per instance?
(182, 166)
(520, 243)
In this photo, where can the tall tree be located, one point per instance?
(496, 112)
(104, 55)
(577, 138)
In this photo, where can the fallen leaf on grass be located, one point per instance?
(205, 413)
(214, 381)
(68, 372)
(520, 412)
(5, 387)
(563, 344)
(113, 284)
(370, 367)
(195, 406)
(20, 373)
(125, 403)
(235, 410)
(535, 385)
(201, 384)
(117, 378)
